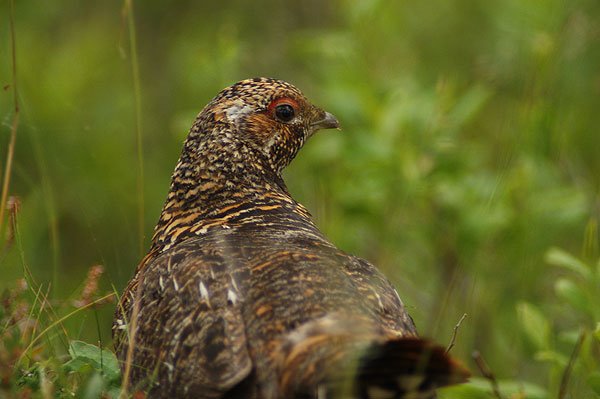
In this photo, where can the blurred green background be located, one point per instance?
(468, 167)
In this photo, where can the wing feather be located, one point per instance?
(191, 326)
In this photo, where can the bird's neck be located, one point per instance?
(224, 191)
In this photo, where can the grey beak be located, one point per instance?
(329, 122)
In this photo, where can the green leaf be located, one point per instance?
(480, 388)
(84, 355)
(558, 257)
(553, 357)
(570, 336)
(94, 387)
(596, 332)
(534, 324)
(522, 389)
(476, 388)
(569, 291)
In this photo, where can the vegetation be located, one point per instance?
(467, 169)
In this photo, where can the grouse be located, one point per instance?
(241, 295)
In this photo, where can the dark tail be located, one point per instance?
(409, 367)
(331, 363)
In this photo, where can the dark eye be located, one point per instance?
(284, 112)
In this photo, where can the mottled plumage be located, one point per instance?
(242, 296)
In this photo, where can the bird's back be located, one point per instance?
(223, 307)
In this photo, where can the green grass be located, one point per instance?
(467, 169)
(39, 357)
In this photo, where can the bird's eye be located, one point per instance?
(285, 112)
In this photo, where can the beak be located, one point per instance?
(327, 122)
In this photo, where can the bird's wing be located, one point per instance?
(379, 295)
(189, 324)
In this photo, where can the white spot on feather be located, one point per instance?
(272, 140)
(121, 325)
(175, 284)
(235, 286)
(161, 283)
(398, 296)
(237, 109)
(171, 369)
(231, 297)
(379, 300)
(203, 291)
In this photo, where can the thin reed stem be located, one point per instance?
(138, 122)
(15, 124)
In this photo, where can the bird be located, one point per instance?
(242, 296)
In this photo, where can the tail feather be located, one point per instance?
(328, 359)
(408, 367)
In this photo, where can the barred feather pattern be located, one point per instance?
(241, 295)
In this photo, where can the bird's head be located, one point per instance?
(236, 149)
(263, 114)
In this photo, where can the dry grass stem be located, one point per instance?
(487, 373)
(131, 345)
(12, 204)
(15, 123)
(564, 382)
(453, 339)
